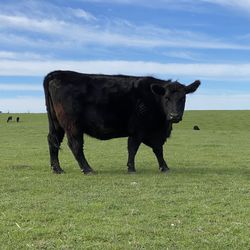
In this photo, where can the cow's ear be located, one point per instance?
(192, 87)
(157, 89)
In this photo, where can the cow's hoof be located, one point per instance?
(131, 171)
(164, 170)
(58, 171)
(89, 172)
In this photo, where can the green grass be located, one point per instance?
(203, 203)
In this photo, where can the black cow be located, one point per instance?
(17, 119)
(9, 119)
(102, 106)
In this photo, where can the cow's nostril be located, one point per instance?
(173, 115)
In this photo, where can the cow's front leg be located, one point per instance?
(133, 145)
(158, 151)
(75, 143)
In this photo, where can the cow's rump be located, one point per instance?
(102, 105)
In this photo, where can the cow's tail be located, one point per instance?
(53, 122)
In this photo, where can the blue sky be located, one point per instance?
(183, 40)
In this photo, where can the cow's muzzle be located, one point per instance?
(174, 118)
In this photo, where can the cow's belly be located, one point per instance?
(106, 133)
(105, 125)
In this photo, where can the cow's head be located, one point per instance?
(173, 97)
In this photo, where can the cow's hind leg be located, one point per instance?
(158, 151)
(55, 138)
(75, 142)
(133, 145)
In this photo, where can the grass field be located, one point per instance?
(202, 203)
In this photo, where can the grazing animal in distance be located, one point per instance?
(196, 127)
(111, 106)
(9, 118)
(17, 119)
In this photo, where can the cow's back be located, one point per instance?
(102, 105)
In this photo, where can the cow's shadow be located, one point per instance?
(122, 170)
(184, 171)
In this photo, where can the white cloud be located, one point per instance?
(48, 26)
(142, 2)
(80, 13)
(188, 55)
(175, 70)
(44, 9)
(241, 4)
(20, 87)
(218, 102)
(21, 55)
(63, 34)
(23, 104)
(34, 43)
(53, 21)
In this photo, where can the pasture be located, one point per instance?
(202, 203)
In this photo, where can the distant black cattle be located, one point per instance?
(196, 127)
(102, 106)
(9, 119)
(17, 119)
